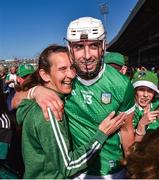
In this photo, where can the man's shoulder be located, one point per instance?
(113, 74)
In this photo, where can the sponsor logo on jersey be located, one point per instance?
(106, 98)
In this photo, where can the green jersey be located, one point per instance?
(47, 148)
(139, 113)
(89, 104)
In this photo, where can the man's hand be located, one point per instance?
(110, 124)
(48, 98)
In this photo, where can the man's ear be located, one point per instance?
(45, 76)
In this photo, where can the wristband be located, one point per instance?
(30, 94)
(139, 133)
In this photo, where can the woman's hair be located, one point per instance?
(143, 159)
(43, 63)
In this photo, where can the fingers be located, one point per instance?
(147, 109)
(57, 107)
(60, 104)
(48, 98)
(110, 116)
(120, 120)
(106, 120)
(153, 115)
(58, 113)
(150, 117)
(45, 113)
(120, 117)
(155, 112)
(110, 124)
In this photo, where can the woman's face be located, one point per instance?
(62, 73)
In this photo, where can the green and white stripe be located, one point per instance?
(70, 164)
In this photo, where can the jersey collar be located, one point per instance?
(92, 81)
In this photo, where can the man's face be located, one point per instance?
(61, 73)
(87, 55)
(144, 96)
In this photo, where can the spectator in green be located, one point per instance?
(146, 113)
(117, 60)
(23, 72)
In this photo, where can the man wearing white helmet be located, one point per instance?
(78, 34)
(98, 90)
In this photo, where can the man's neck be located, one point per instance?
(92, 81)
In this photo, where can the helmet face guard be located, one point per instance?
(97, 60)
(84, 30)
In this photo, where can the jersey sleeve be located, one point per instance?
(76, 160)
(128, 100)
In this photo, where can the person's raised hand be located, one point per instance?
(149, 116)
